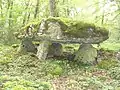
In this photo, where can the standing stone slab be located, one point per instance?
(42, 50)
(46, 48)
(86, 54)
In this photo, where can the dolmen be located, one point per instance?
(45, 38)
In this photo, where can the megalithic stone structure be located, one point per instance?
(63, 30)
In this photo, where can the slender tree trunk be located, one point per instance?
(9, 21)
(37, 8)
(67, 11)
(102, 22)
(1, 8)
(28, 18)
(52, 8)
(25, 15)
(10, 14)
(24, 19)
(9, 8)
(8, 4)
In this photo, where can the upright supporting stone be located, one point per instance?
(55, 49)
(27, 46)
(42, 50)
(86, 54)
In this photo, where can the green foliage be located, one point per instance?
(21, 84)
(26, 72)
(110, 46)
(21, 12)
(6, 54)
(115, 73)
(107, 64)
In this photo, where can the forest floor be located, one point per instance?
(26, 72)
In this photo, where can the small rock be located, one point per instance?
(118, 55)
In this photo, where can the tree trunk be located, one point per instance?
(36, 9)
(10, 7)
(1, 8)
(28, 18)
(52, 8)
(10, 15)
(25, 16)
(102, 22)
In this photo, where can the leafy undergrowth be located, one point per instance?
(26, 72)
(111, 46)
(6, 54)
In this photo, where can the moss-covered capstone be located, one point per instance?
(78, 29)
(66, 30)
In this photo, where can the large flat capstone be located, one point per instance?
(70, 31)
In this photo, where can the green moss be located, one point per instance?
(57, 71)
(35, 25)
(72, 28)
(35, 42)
(79, 29)
(53, 69)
